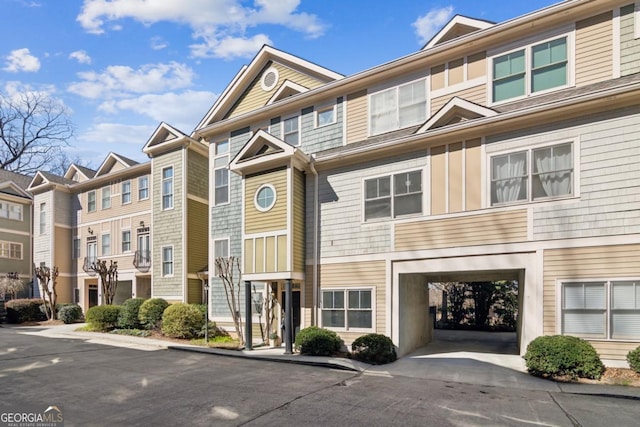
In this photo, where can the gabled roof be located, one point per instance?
(167, 137)
(81, 170)
(248, 74)
(43, 178)
(10, 187)
(20, 180)
(287, 89)
(111, 160)
(455, 111)
(264, 151)
(458, 26)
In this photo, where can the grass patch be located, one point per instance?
(131, 332)
(89, 328)
(221, 341)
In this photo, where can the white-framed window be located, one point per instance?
(167, 261)
(265, 198)
(347, 309)
(106, 197)
(325, 116)
(106, 244)
(167, 188)
(398, 107)
(11, 211)
(535, 174)
(10, 250)
(126, 192)
(220, 250)
(601, 309)
(126, 240)
(392, 196)
(291, 130)
(525, 71)
(143, 187)
(76, 248)
(91, 201)
(43, 218)
(221, 173)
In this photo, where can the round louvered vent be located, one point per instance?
(269, 79)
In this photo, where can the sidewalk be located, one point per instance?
(468, 368)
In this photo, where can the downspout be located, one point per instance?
(315, 242)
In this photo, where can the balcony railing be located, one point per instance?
(87, 266)
(142, 260)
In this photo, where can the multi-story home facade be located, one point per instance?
(16, 222)
(498, 151)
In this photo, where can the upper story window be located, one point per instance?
(91, 201)
(106, 197)
(167, 188)
(291, 130)
(398, 107)
(325, 116)
(10, 250)
(167, 260)
(549, 175)
(220, 250)
(75, 248)
(392, 196)
(221, 173)
(106, 244)
(265, 198)
(11, 211)
(43, 218)
(143, 187)
(126, 192)
(536, 68)
(126, 240)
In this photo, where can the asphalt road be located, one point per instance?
(99, 385)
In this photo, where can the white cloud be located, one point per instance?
(80, 56)
(121, 81)
(177, 109)
(22, 60)
(158, 43)
(221, 24)
(428, 25)
(116, 133)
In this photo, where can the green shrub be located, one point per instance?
(214, 331)
(633, 357)
(24, 310)
(202, 308)
(376, 349)
(70, 313)
(316, 341)
(131, 332)
(150, 313)
(560, 355)
(128, 317)
(182, 321)
(103, 317)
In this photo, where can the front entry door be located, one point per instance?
(93, 295)
(295, 307)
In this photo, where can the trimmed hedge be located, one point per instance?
(560, 355)
(633, 357)
(24, 310)
(128, 317)
(150, 313)
(103, 317)
(182, 321)
(375, 349)
(70, 313)
(315, 341)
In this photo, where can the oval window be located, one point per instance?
(265, 198)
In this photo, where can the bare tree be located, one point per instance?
(225, 268)
(108, 278)
(48, 278)
(10, 284)
(33, 130)
(60, 164)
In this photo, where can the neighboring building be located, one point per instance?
(15, 230)
(497, 152)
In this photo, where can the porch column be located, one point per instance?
(247, 316)
(288, 318)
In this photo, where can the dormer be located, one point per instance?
(113, 163)
(455, 111)
(78, 173)
(458, 26)
(168, 138)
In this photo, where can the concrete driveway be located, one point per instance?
(472, 357)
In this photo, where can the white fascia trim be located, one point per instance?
(453, 104)
(616, 42)
(458, 19)
(288, 84)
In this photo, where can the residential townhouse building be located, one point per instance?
(502, 151)
(16, 221)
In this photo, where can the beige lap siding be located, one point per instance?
(477, 94)
(594, 49)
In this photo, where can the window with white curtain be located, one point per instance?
(550, 174)
(602, 309)
(398, 107)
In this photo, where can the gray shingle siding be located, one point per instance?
(322, 138)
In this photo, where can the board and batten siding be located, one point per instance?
(483, 229)
(370, 274)
(475, 94)
(594, 49)
(357, 118)
(255, 97)
(298, 221)
(629, 45)
(604, 262)
(274, 219)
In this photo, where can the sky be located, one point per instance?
(120, 67)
